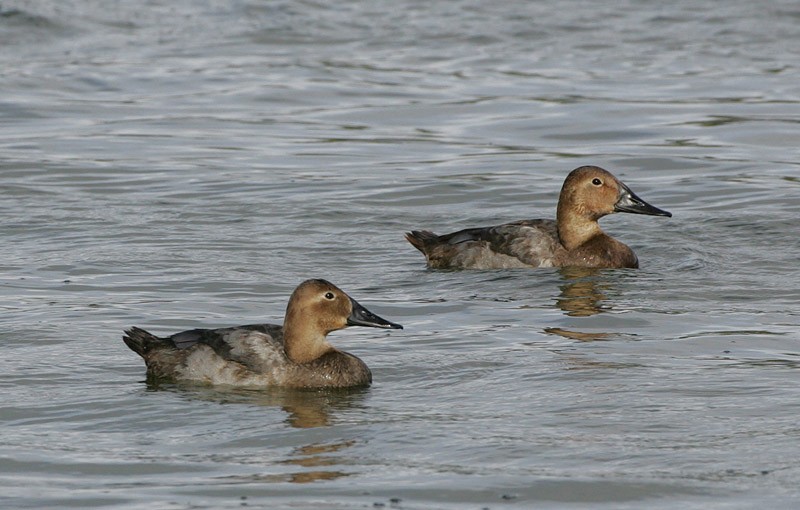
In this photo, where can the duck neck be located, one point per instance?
(575, 227)
(303, 342)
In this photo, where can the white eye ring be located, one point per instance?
(597, 182)
(329, 295)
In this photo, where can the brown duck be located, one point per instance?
(573, 239)
(294, 355)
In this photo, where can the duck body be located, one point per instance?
(520, 244)
(573, 239)
(244, 356)
(293, 355)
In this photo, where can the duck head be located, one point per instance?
(588, 194)
(316, 308)
(592, 192)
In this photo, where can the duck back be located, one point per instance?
(519, 244)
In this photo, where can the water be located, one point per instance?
(181, 164)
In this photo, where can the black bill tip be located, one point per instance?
(360, 316)
(629, 202)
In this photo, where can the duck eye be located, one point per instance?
(596, 181)
(329, 295)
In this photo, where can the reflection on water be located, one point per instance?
(582, 294)
(578, 335)
(307, 409)
(314, 456)
(304, 408)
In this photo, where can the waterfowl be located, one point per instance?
(293, 355)
(573, 239)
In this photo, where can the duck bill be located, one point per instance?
(630, 203)
(360, 316)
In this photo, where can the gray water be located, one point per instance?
(177, 164)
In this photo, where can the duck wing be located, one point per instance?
(530, 242)
(249, 345)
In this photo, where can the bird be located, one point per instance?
(573, 239)
(295, 354)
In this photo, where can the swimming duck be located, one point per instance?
(574, 239)
(294, 355)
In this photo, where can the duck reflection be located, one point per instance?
(315, 456)
(305, 409)
(582, 292)
(312, 458)
(582, 295)
(310, 408)
(578, 335)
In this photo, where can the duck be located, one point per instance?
(295, 354)
(574, 239)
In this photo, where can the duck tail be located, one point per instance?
(141, 342)
(419, 239)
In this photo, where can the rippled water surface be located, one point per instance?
(182, 164)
